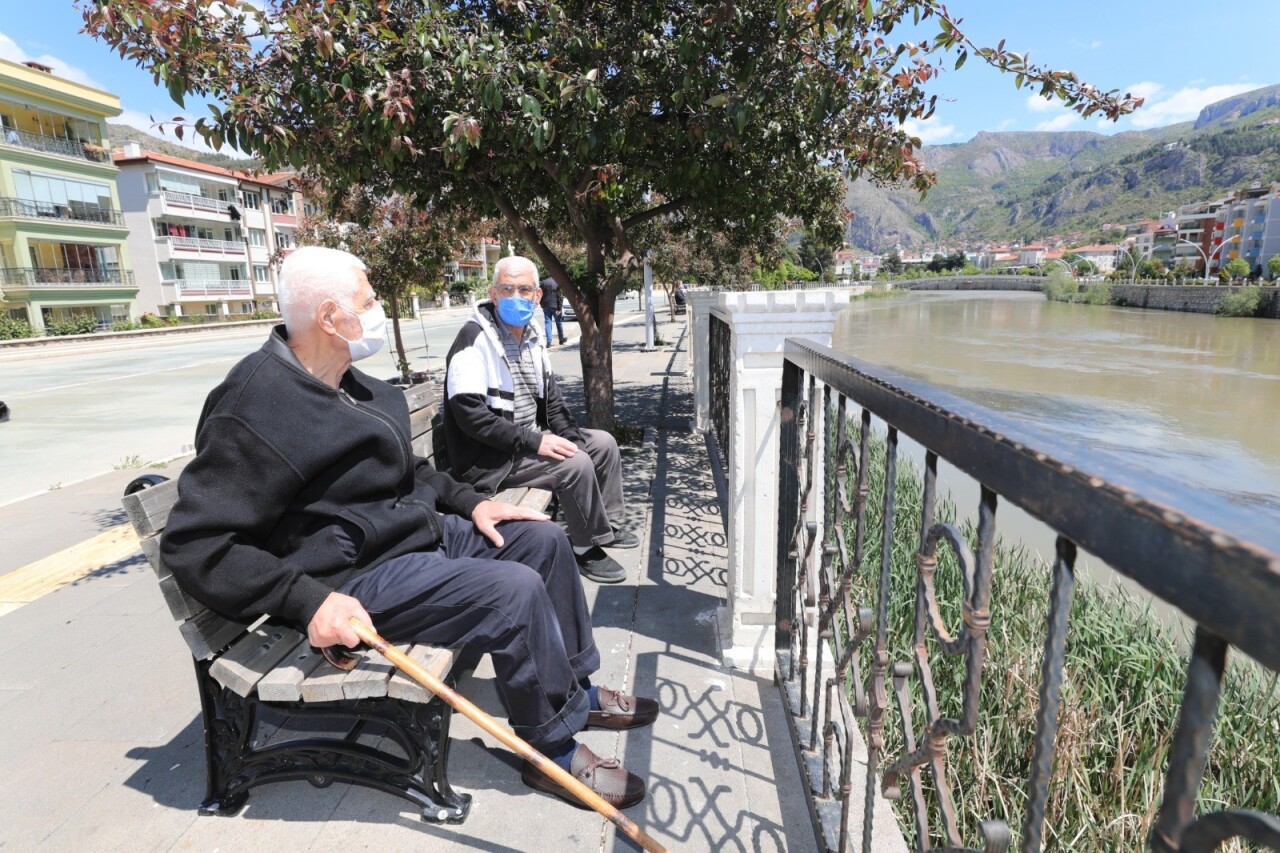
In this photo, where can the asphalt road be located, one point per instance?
(127, 403)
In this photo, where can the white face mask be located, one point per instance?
(373, 325)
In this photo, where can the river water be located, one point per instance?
(1189, 396)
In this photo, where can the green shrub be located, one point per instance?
(12, 329)
(148, 320)
(1060, 286)
(81, 324)
(263, 314)
(125, 326)
(1098, 293)
(1242, 302)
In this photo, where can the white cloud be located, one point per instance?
(1041, 104)
(928, 131)
(1185, 104)
(1063, 121)
(1007, 123)
(1145, 89)
(9, 50)
(142, 121)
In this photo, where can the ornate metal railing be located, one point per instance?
(88, 277)
(50, 210)
(198, 202)
(720, 341)
(81, 149)
(841, 421)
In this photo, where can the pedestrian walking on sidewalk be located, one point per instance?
(507, 425)
(552, 304)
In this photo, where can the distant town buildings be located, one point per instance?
(62, 235)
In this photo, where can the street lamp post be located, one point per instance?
(1217, 249)
(1133, 264)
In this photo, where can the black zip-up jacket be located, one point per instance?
(479, 414)
(285, 467)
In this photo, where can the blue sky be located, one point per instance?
(1180, 54)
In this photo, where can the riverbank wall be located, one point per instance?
(976, 282)
(1190, 298)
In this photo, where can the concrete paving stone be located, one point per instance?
(7, 696)
(284, 816)
(52, 786)
(118, 716)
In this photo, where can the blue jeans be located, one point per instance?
(546, 316)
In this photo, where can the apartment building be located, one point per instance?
(63, 246)
(1247, 226)
(1194, 224)
(202, 237)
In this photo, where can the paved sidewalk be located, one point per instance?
(102, 748)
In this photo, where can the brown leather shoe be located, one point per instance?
(620, 711)
(606, 777)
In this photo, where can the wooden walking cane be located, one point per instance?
(463, 706)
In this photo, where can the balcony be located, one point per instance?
(201, 245)
(36, 277)
(73, 148)
(22, 208)
(194, 202)
(193, 289)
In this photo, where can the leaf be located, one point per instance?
(717, 100)
(960, 60)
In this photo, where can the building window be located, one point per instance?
(260, 272)
(284, 240)
(153, 182)
(252, 201)
(211, 310)
(18, 314)
(257, 237)
(246, 307)
(67, 196)
(282, 204)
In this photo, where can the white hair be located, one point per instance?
(514, 265)
(309, 276)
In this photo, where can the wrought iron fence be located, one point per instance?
(88, 276)
(74, 211)
(1221, 568)
(77, 148)
(721, 364)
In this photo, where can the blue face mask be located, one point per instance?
(515, 311)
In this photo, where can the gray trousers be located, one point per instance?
(587, 484)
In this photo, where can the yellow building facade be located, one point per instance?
(63, 246)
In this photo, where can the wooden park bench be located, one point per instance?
(392, 734)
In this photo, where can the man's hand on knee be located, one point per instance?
(555, 447)
(331, 626)
(488, 514)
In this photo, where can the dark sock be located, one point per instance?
(562, 754)
(593, 693)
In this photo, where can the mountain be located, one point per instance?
(119, 134)
(1020, 185)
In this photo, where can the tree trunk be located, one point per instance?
(402, 361)
(596, 352)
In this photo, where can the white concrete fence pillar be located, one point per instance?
(760, 323)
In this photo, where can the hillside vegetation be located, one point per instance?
(1020, 185)
(121, 133)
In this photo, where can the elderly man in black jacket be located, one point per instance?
(305, 501)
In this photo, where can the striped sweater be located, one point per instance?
(482, 437)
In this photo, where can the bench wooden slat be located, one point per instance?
(253, 656)
(511, 496)
(435, 660)
(538, 499)
(181, 604)
(283, 684)
(369, 679)
(418, 396)
(326, 682)
(149, 508)
(420, 421)
(207, 633)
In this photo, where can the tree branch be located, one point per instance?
(653, 212)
